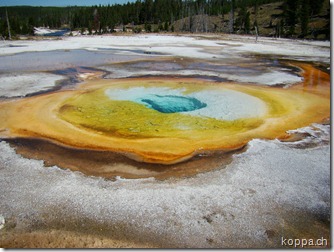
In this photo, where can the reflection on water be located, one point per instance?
(61, 59)
(75, 75)
(127, 51)
(241, 69)
(134, 63)
(247, 70)
(155, 65)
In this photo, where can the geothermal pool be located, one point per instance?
(171, 109)
(192, 142)
(167, 121)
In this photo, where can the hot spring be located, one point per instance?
(165, 121)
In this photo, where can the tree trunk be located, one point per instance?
(8, 25)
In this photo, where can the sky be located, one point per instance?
(61, 2)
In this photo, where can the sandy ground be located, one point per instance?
(270, 192)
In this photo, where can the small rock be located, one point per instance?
(270, 233)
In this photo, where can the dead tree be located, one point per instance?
(8, 25)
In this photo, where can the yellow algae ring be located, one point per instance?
(162, 121)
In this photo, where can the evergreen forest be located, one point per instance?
(283, 18)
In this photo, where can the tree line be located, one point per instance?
(153, 15)
(300, 12)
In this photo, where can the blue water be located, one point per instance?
(173, 103)
(57, 33)
(61, 59)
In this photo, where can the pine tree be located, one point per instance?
(291, 17)
(315, 6)
(304, 17)
(247, 22)
(166, 26)
(231, 21)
